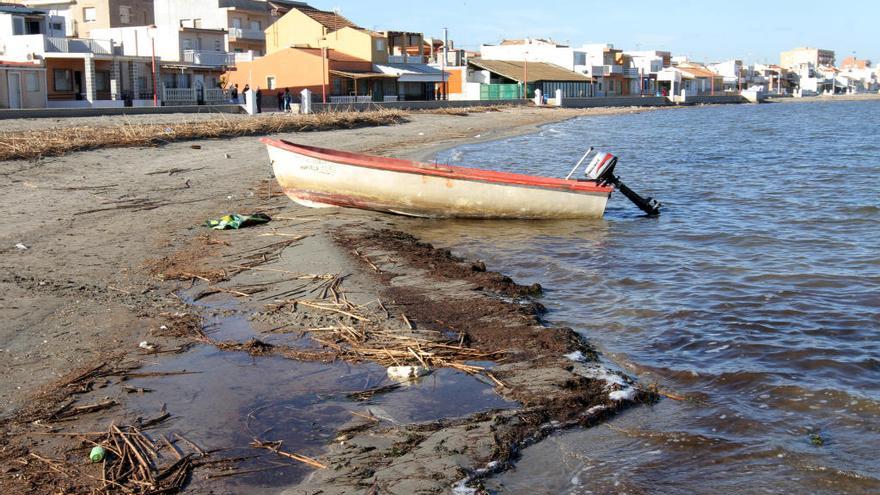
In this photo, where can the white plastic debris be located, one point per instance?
(146, 346)
(21, 246)
(163, 327)
(406, 373)
(227, 156)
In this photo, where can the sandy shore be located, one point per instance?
(104, 249)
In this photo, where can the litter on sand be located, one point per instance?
(236, 221)
(407, 373)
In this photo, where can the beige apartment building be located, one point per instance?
(817, 57)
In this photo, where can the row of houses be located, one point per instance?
(108, 53)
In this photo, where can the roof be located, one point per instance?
(412, 72)
(330, 20)
(17, 8)
(538, 71)
(530, 41)
(697, 71)
(362, 75)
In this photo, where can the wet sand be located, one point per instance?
(114, 255)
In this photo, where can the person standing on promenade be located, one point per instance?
(287, 98)
(233, 93)
(259, 96)
(280, 96)
(247, 87)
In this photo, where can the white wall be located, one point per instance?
(136, 41)
(171, 12)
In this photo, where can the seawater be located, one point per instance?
(756, 294)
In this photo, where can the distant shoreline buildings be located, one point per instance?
(103, 53)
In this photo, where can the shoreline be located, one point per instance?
(127, 223)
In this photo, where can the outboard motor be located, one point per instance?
(601, 170)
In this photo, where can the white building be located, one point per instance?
(79, 73)
(732, 72)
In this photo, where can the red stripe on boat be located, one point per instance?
(438, 170)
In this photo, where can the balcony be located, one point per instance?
(631, 72)
(247, 56)
(79, 45)
(246, 34)
(405, 59)
(608, 70)
(214, 59)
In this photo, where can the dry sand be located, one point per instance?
(79, 231)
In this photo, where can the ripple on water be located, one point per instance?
(758, 289)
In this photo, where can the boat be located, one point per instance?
(319, 178)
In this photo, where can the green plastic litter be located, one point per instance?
(236, 221)
(97, 454)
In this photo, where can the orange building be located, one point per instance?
(302, 68)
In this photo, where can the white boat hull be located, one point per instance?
(317, 182)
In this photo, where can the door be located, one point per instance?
(77, 85)
(14, 90)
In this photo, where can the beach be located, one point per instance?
(257, 359)
(102, 247)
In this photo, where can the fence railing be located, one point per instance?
(216, 59)
(216, 95)
(249, 34)
(630, 72)
(351, 99)
(79, 45)
(407, 59)
(390, 98)
(193, 96)
(247, 56)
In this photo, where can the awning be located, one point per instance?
(362, 75)
(411, 72)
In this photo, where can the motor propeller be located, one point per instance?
(601, 170)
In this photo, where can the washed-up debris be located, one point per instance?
(407, 373)
(147, 346)
(21, 246)
(236, 221)
(97, 454)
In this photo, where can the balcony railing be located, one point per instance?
(630, 72)
(79, 45)
(246, 34)
(247, 56)
(214, 59)
(607, 70)
(405, 59)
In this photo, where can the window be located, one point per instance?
(218, 45)
(256, 26)
(63, 79)
(124, 14)
(57, 26)
(17, 26)
(102, 81)
(32, 26)
(31, 82)
(380, 45)
(236, 23)
(89, 14)
(187, 43)
(270, 82)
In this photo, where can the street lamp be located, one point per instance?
(151, 31)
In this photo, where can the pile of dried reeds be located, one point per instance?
(50, 142)
(462, 111)
(362, 335)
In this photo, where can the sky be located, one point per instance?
(706, 31)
